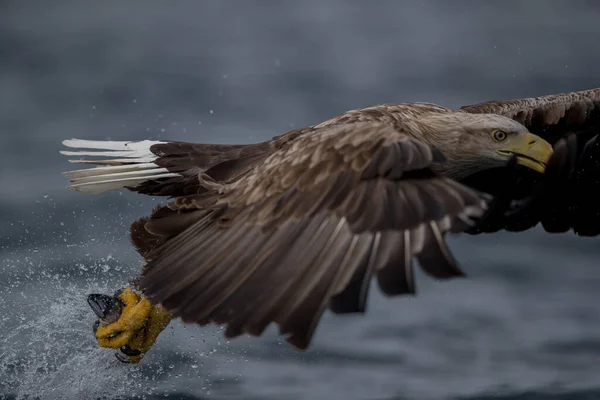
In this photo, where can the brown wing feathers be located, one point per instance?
(563, 110)
(307, 228)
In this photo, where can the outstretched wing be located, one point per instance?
(550, 117)
(572, 194)
(307, 229)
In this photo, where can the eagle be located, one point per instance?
(282, 230)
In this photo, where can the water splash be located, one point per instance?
(48, 351)
(47, 346)
(54, 355)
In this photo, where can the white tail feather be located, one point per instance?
(80, 173)
(134, 165)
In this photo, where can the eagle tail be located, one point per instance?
(120, 164)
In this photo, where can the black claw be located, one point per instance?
(125, 352)
(129, 351)
(122, 357)
(96, 325)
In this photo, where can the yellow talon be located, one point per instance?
(133, 318)
(137, 328)
(143, 340)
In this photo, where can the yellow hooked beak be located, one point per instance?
(531, 150)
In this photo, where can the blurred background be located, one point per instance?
(525, 325)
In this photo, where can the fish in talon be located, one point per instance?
(108, 309)
(129, 323)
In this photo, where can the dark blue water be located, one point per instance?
(524, 325)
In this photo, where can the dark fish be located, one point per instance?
(107, 308)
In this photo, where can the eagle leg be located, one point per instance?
(135, 330)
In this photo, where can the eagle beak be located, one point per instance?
(531, 150)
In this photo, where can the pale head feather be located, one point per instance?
(466, 140)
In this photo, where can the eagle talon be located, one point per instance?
(128, 323)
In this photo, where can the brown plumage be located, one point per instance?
(281, 230)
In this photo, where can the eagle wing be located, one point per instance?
(567, 196)
(550, 116)
(307, 228)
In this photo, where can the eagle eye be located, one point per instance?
(499, 136)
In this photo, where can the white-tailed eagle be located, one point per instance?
(281, 230)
